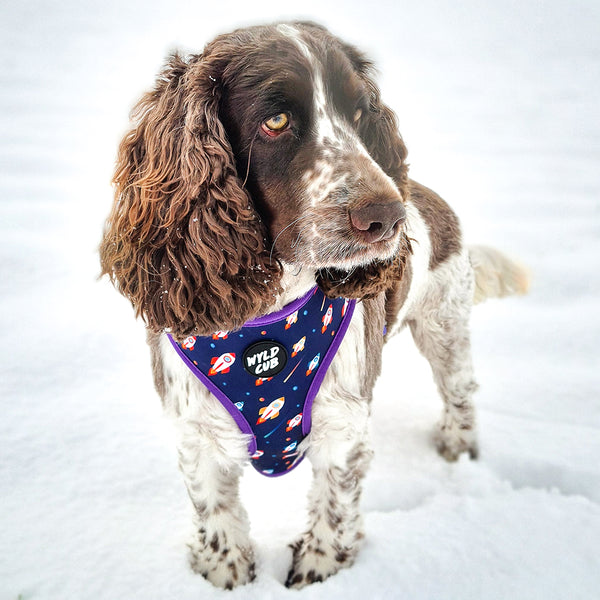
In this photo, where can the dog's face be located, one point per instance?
(271, 147)
(297, 109)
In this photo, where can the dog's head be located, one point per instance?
(272, 145)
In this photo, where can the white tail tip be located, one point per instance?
(496, 275)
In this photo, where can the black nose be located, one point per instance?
(377, 221)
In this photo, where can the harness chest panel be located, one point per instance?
(267, 373)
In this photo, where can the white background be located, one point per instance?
(498, 104)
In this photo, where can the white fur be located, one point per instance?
(417, 231)
(320, 182)
(496, 275)
(338, 425)
(439, 323)
(293, 33)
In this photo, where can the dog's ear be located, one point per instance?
(183, 241)
(378, 129)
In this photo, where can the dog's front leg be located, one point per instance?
(220, 548)
(212, 452)
(340, 455)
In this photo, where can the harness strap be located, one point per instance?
(267, 373)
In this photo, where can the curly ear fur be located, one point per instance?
(183, 241)
(379, 132)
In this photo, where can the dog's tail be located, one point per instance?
(496, 275)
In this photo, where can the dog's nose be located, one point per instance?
(377, 221)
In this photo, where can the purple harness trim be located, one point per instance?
(284, 313)
(327, 320)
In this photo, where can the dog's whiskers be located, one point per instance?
(279, 235)
(249, 159)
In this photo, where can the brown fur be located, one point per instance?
(183, 242)
(444, 228)
(374, 312)
(158, 376)
(396, 296)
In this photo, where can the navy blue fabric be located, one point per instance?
(275, 409)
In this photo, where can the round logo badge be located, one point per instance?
(265, 358)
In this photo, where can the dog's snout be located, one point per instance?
(377, 221)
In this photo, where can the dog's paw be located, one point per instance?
(224, 565)
(451, 441)
(314, 561)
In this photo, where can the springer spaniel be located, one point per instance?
(254, 171)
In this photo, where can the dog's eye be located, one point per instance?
(276, 124)
(357, 115)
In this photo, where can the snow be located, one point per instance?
(498, 105)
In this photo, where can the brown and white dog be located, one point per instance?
(253, 170)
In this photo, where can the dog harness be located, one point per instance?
(267, 373)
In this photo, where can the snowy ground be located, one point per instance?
(498, 103)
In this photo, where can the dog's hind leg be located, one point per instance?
(440, 328)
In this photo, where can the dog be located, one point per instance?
(261, 172)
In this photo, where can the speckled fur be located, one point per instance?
(440, 328)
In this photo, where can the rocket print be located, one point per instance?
(220, 335)
(189, 342)
(298, 346)
(312, 365)
(271, 411)
(294, 422)
(327, 318)
(346, 302)
(290, 447)
(261, 380)
(293, 318)
(221, 364)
